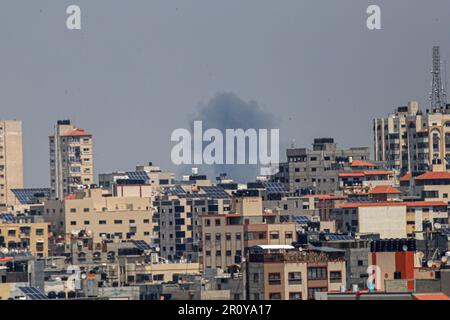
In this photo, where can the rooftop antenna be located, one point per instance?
(438, 91)
(293, 143)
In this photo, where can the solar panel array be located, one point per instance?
(275, 187)
(26, 196)
(300, 219)
(8, 217)
(215, 192)
(141, 244)
(33, 293)
(339, 237)
(137, 175)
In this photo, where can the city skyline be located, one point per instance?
(181, 57)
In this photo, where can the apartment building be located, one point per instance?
(24, 234)
(11, 161)
(431, 186)
(143, 174)
(71, 159)
(283, 273)
(177, 221)
(226, 238)
(410, 140)
(385, 218)
(363, 181)
(315, 171)
(391, 136)
(390, 219)
(103, 217)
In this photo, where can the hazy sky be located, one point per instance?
(138, 69)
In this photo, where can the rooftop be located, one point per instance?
(384, 190)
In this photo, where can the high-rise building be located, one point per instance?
(410, 140)
(71, 159)
(11, 161)
(390, 136)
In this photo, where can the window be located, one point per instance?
(73, 210)
(117, 221)
(146, 221)
(317, 273)
(288, 235)
(86, 222)
(335, 276)
(295, 278)
(40, 232)
(217, 222)
(295, 296)
(274, 278)
(274, 296)
(256, 277)
(102, 222)
(274, 235)
(86, 210)
(73, 223)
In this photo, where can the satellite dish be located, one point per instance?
(4, 250)
(157, 249)
(83, 275)
(437, 226)
(405, 248)
(420, 254)
(444, 259)
(429, 263)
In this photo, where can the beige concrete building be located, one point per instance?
(25, 236)
(390, 136)
(294, 275)
(104, 217)
(11, 161)
(226, 238)
(71, 159)
(410, 140)
(390, 219)
(385, 218)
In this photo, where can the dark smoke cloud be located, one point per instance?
(228, 111)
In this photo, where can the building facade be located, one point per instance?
(315, 171)
(71, 159)
(11, 161)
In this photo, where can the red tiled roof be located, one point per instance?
(434, 176)
(384, 190)
(406, 177)
(77, 132)
(361, 163)
(431, 296)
